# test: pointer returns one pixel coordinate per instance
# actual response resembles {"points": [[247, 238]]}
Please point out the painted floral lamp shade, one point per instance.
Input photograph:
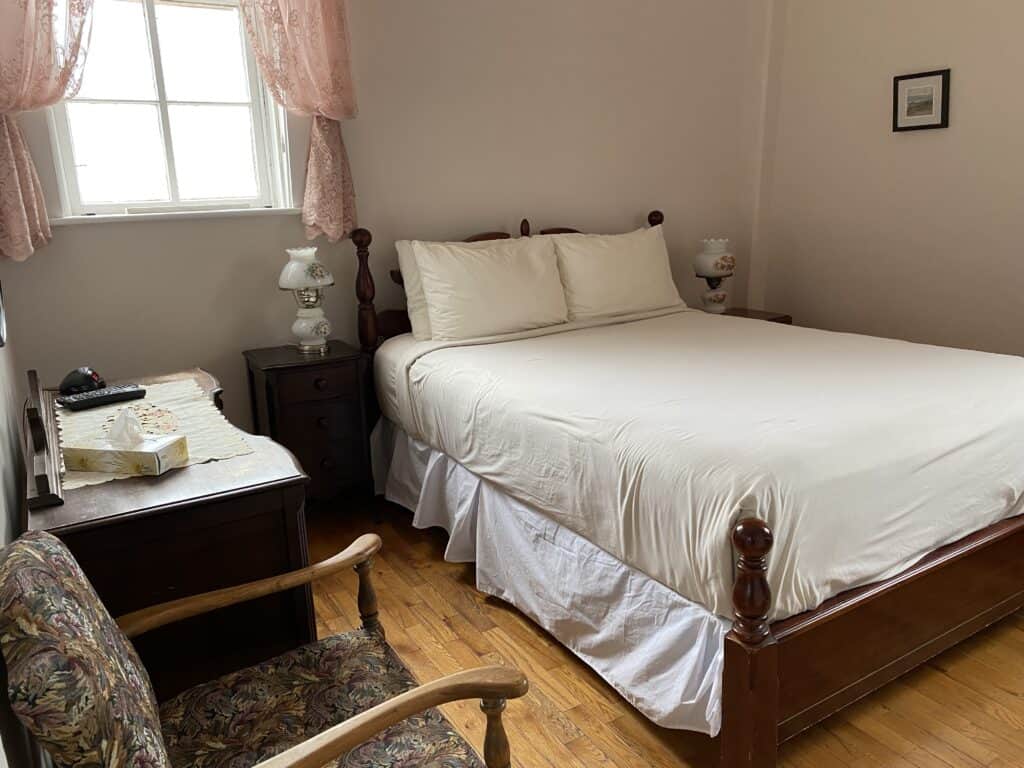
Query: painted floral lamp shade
{"points": [[304, 271]]}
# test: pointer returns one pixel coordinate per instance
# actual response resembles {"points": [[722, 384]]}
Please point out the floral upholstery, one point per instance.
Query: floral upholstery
{"points": [[73, 678], [78, 685], [250, 715]]}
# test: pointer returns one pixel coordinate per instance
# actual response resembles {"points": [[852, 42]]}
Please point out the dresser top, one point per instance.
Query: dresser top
{"points": [[290, 357], [269, 466]]}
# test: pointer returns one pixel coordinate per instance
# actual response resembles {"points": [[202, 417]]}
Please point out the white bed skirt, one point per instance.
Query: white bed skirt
{"points": [[662, 652]]}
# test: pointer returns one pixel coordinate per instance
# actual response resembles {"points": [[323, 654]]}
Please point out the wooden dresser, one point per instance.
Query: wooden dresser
{"points": [[318, 407], [146, 540]]}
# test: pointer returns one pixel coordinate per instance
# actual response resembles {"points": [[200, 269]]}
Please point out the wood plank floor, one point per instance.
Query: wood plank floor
{"points": [[964, 709]]}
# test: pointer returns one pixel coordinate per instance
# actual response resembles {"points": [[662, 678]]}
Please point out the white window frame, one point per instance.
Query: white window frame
{"points": [[269, 137]]}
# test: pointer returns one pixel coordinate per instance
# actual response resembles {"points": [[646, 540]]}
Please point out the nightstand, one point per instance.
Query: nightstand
{"points": [[760, 314], [316, 406]]}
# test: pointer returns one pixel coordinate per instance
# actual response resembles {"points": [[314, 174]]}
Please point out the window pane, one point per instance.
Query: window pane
{"points": [[201, 52], [213, 151], [117, 64], [119, 153]]}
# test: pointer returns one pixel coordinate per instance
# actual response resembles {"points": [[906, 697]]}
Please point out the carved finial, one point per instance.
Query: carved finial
{"points": [[362, 238], [365, 290], [751, 595], [524, 228], [654, 218]]}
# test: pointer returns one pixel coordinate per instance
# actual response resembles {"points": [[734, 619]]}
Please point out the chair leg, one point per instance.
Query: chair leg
{"points": [[367, 598], [496, 750]]}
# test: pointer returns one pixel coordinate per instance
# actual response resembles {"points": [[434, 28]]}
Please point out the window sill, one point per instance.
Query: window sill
{"points": [[67, 221]]}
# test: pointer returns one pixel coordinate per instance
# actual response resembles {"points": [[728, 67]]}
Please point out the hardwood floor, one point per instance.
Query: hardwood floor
{"points": [[963, 709]]}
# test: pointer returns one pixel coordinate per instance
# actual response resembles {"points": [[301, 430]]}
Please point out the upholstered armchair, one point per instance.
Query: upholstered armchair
{"points": [[76, 682]]}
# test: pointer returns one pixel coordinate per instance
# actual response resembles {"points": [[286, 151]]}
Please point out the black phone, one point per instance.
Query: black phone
{"points": [[84, 379]]}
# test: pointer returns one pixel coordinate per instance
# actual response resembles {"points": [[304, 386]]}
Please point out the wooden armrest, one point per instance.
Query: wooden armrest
{"points": [[491, 684], [138, 622]]}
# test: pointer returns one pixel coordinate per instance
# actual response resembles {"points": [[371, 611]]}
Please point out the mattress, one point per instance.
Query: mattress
{"points": [[650, 437], [387, 362]]}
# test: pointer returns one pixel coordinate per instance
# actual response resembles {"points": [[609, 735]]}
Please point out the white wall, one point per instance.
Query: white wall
{"points": [[584, 113], [915, 235]]}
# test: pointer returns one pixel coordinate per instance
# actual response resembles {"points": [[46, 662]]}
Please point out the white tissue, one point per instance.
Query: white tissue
{"points": [[126, 430]]}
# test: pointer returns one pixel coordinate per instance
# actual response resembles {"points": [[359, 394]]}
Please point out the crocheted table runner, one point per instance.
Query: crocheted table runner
{"points": [[175, 407]]}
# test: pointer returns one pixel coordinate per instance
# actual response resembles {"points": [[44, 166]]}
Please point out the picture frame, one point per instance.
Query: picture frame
{"points": [[920, 101]]}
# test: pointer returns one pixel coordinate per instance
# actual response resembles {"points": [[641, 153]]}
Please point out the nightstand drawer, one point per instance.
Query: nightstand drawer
{"points": [[326, 437], [319, 383], [328, 473], [320, 424]]}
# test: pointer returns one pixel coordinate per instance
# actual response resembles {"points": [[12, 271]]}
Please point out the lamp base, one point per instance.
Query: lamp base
{"points": [[312, 328], [716, 298], [312, 349]]}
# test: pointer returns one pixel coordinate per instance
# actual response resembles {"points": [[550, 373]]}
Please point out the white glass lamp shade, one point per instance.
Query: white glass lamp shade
{"points": [[304, 271], [715, 260]]}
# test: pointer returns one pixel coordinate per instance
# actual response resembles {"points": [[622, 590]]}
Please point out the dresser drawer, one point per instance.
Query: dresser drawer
{"points": [[319, 383]]}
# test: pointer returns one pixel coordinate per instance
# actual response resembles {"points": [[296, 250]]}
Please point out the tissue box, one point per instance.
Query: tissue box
{"points": [[153, 455]]}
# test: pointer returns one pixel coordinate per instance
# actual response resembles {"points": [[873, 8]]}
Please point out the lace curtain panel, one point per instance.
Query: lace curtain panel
{"points": [[302, 50], [42, 50]]}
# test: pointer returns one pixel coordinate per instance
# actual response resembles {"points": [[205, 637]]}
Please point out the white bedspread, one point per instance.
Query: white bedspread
{"points": [[651, 438]]}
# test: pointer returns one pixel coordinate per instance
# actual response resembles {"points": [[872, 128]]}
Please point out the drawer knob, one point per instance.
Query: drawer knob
{"points": [[320, 383], [322, 422], [327, 463]]}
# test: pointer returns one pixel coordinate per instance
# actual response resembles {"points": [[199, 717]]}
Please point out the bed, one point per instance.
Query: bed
{"points": [[803, 553]]}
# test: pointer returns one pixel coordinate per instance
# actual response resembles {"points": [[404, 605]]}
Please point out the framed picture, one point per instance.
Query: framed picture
{"points": [[920, 101]]}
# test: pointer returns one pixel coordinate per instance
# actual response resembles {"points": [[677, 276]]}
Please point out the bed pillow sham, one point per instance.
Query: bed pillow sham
{"points": [[415, 301], [607, 275], [484, 289]]}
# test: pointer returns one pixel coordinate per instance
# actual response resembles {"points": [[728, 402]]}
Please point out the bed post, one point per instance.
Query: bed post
{"points": [[365, 291], [654, 218], [750, 690]]}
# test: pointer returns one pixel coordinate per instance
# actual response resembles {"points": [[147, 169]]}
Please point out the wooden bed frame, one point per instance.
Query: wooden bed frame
{"points": [[782, 677]]}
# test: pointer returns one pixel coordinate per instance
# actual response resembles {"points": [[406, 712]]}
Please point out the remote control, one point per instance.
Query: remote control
{"points": [[98, 397]]}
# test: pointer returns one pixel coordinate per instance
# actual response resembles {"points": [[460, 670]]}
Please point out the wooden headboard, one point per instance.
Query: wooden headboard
{"points": [[374, 326]]}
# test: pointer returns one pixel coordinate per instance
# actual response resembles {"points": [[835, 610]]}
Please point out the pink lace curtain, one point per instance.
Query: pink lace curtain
{"points": [[302, 48], [42, 50]]}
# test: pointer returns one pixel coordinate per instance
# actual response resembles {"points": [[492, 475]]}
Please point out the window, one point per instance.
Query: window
{"points": [[171, 114]]}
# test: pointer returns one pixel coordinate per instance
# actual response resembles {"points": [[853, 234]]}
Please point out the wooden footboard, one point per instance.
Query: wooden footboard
{"points": [[784, 677]]}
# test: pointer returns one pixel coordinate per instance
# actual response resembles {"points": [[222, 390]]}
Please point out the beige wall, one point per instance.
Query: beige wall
{"points": [[473, 114], [915, 235], [148, 297]]}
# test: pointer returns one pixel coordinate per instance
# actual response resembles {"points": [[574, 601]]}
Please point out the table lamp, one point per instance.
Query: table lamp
{"points": [[306, 277], [715, 264]]}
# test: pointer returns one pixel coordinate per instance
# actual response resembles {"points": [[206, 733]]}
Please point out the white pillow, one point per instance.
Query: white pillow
{"points": [[415, 301], [607, 275], [483, 289]]}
